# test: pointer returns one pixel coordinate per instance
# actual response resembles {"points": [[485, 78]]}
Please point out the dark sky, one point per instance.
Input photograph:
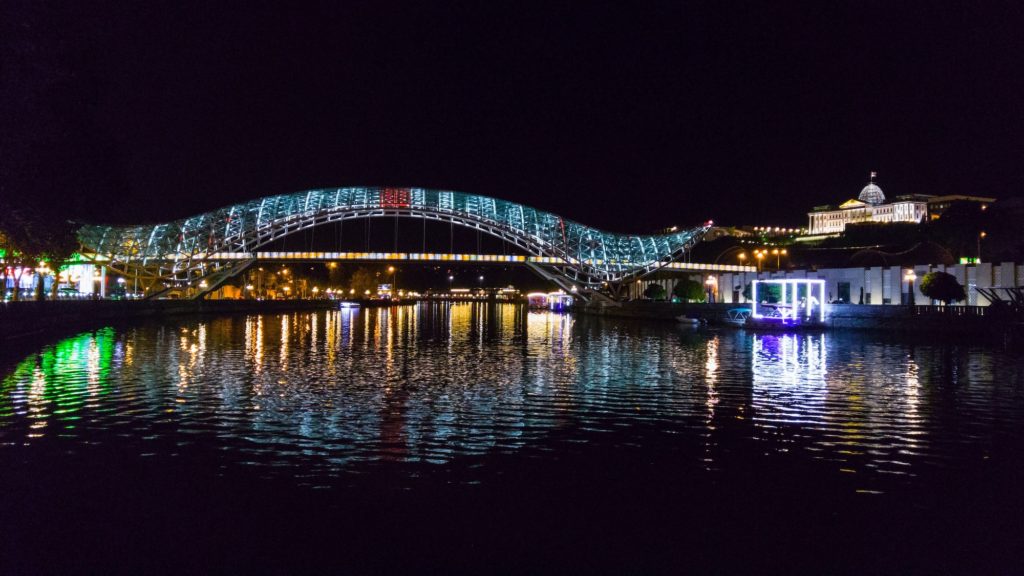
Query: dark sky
{"points": [[625, 115]]}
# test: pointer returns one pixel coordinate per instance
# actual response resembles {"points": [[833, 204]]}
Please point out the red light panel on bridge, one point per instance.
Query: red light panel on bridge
{"points": [[394, 198]]}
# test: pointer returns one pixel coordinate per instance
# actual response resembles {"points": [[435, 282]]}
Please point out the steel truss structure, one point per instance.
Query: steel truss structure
{"points": [[181, 251]]}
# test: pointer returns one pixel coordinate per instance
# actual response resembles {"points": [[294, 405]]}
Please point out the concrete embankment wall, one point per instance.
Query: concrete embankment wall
{"points": [[840, 316], [26, 319], [877, 286]]}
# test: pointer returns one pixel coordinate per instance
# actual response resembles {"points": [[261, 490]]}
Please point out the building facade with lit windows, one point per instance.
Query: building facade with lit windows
{"points": [[869, 206], [937, 205], [872, 206]]}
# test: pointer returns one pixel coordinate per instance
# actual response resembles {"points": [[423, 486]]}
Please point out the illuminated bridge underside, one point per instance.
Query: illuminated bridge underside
{"points": [[183, 250], [279, 256]]}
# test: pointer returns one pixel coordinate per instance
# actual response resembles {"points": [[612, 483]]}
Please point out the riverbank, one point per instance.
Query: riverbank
{"points": [[31, 320], [954, 320]]}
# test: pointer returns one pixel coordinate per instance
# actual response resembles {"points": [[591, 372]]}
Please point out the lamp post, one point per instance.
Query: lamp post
{"points": [[759, 254], [981, 235], [394, 282], [910, 276], [726, 252], [742, 257], [778, 255], [710, 283]]}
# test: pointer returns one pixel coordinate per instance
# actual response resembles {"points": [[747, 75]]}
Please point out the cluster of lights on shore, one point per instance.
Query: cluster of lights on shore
{"points": [[762, 253], [778, 230], [336, 293]]}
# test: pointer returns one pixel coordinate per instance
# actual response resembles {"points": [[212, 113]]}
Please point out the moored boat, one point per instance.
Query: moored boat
{"points": [[687, 321], [737, 316]]}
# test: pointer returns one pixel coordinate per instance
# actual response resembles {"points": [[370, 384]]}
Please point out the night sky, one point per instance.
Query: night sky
{"points": [[627, 116]]}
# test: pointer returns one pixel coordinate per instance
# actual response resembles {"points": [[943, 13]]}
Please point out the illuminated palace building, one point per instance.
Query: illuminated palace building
{"points": [[871, 206]]}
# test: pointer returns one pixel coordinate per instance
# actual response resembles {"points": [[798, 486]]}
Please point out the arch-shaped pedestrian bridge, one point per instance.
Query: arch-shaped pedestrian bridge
{"points": [[180, 251]]}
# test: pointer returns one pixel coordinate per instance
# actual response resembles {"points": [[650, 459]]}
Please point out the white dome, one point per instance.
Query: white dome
{"points": [[871, 194]]}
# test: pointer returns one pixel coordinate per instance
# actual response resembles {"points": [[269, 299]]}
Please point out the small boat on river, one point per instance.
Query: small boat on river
{"points": [[737, 316], [687, 321]]}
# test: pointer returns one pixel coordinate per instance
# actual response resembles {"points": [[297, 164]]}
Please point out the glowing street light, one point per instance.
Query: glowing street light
{"points": [[778, 254], [760, 254], [910, 276]]}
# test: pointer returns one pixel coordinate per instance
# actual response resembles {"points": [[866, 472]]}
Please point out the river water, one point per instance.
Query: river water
{"points": [[486, 438]]}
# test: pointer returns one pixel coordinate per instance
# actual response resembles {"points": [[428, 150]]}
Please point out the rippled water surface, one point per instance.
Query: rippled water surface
{"points": [[665, 426]]}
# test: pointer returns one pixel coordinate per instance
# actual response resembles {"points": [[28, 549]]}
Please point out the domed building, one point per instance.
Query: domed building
{"points": [[872, 194], [870, 206]]}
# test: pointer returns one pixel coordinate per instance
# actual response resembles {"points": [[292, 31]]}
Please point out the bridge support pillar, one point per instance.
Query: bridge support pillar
{"points": [[218, 278], [559, 280]]}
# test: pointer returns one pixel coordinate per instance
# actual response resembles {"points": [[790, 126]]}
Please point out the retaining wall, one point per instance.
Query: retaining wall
{"points": [[20, 319]]}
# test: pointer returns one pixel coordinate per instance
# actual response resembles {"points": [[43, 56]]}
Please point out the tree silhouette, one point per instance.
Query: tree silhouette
{"points": [[655, 292], [942, 286], [688, 290]]}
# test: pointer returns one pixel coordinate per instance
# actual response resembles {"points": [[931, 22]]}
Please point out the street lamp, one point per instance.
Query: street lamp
{"points": [[980, 236], [910, 276], [760, 254], [725, 253], [778, 255], [394, 281]]}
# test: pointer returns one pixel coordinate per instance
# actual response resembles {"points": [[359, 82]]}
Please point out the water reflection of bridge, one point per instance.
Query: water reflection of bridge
{"points": [[433, 382]]}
